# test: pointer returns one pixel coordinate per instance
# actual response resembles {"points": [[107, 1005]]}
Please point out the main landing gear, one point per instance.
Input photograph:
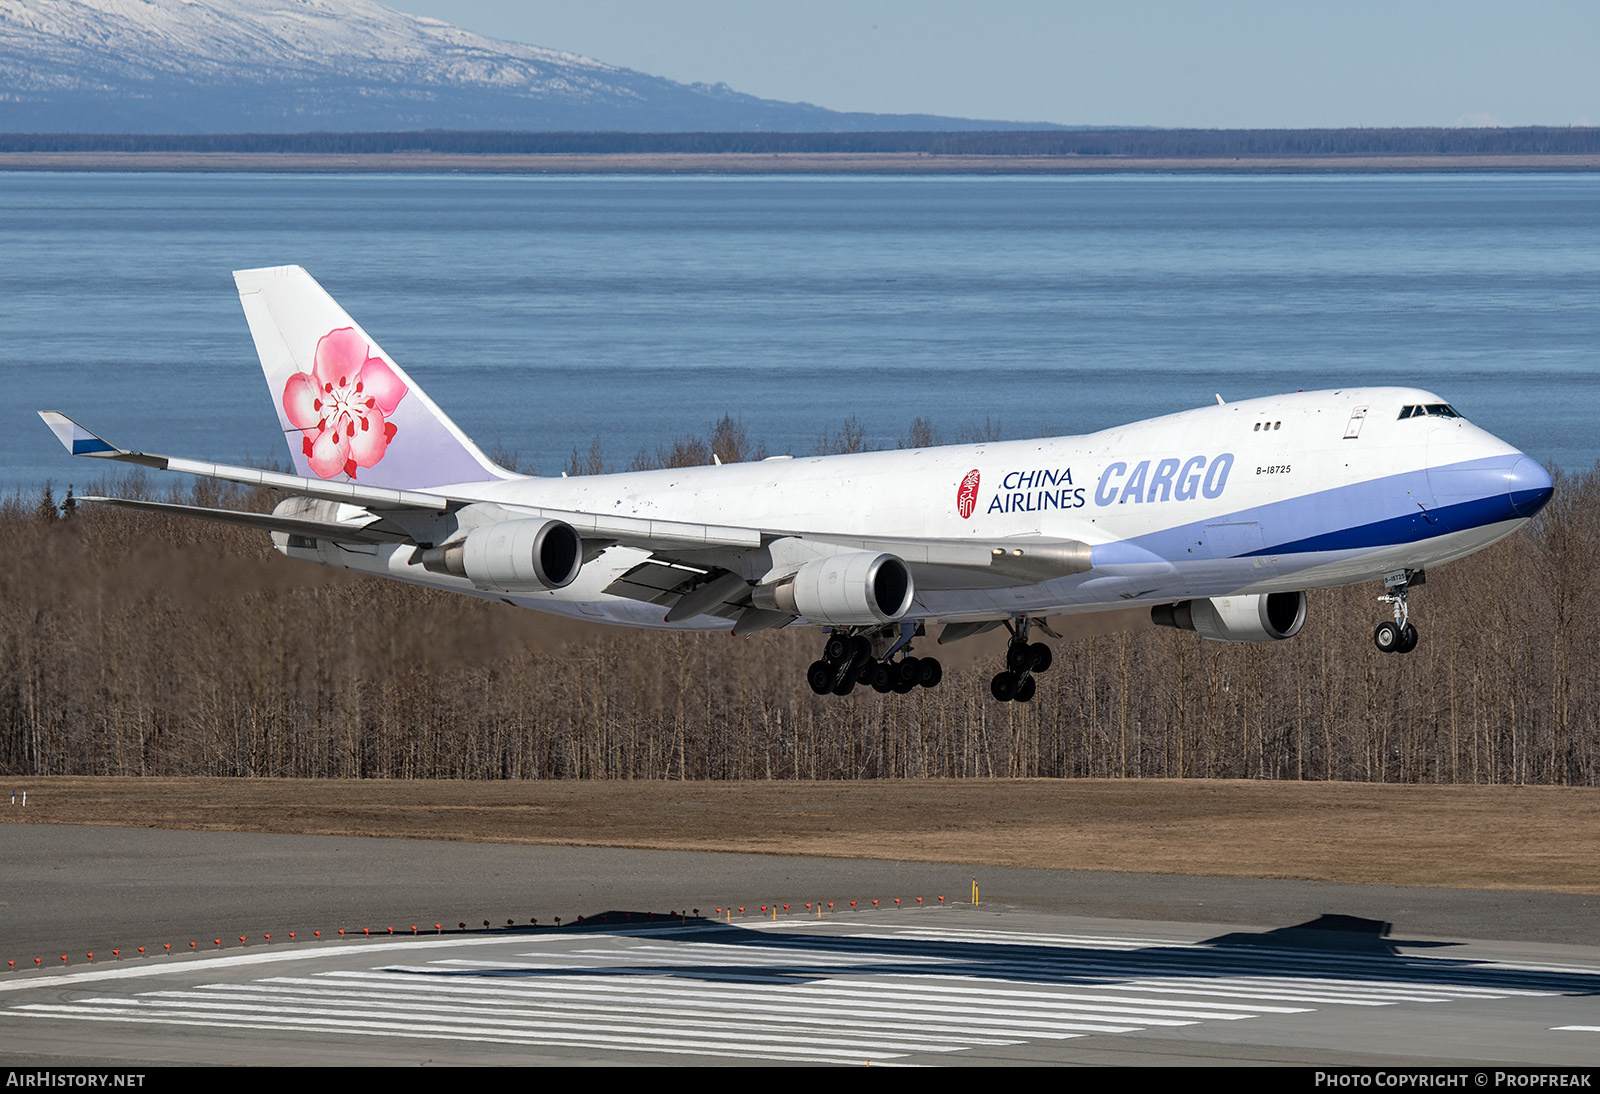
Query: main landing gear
{"points": [[1399, 636], [1023, 660], [869, 659]]}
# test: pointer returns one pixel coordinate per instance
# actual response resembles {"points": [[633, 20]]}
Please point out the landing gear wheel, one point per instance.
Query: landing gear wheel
{"points": [[1388, 637], [1019, 657], [904, 687], [1026, 689], [1408, 639], [929, 672], [1004, 686], [820, 677], [838, 648], [1042, 657], [908, 672], [880, 676]]}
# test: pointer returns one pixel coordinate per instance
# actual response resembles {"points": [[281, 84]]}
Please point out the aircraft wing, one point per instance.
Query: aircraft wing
{"points": [[80, 442], [692, 569], [374, 531], [632, 531]]}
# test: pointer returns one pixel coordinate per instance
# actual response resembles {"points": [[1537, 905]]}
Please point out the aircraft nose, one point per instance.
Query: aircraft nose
{"points": [[1528, 487]]}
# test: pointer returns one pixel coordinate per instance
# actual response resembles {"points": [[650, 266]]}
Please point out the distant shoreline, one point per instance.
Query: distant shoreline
{"points": [[782, 163]]}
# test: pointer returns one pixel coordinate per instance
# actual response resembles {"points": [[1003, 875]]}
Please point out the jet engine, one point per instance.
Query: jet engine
{"points": [[1267, 617], [512, 554], [856, 588]]}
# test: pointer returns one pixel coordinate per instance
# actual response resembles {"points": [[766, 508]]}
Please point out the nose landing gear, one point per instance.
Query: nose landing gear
{"points": [[1399, 636], [1023, 660]]}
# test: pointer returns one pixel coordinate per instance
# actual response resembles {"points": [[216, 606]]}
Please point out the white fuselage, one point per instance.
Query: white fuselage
{"points": [[1275, 494]]}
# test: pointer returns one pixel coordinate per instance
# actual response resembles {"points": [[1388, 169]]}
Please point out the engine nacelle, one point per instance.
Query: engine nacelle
{"points": [[512, 554], [856, 588], [1267, 617]]}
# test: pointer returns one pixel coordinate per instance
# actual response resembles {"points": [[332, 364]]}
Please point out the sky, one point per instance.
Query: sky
{"points": [[1285, 63]]}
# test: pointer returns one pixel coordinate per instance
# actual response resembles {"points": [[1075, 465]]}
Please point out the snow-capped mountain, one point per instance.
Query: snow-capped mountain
{"points": [[216, 66]]}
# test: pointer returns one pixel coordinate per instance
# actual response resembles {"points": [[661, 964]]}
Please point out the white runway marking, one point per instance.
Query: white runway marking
{"points": [[830, 993]]}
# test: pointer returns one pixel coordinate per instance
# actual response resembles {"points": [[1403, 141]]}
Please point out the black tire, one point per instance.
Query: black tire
{"points": [[1004, 686], [1408, 639], [1387, 637], [1026, 689], [820, 677], [838, 648], [929, 672], [1019, 657], [881, 683], [863, 646], [845, 686], [908, 671], [1042, 657], [879, 675], [904, 687]]}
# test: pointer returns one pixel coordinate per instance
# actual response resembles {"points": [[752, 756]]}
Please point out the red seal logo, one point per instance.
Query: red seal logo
{"points": [[967, 494]]}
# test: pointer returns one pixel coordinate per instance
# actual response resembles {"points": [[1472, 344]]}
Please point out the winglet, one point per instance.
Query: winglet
{"points": [[76, 439]]}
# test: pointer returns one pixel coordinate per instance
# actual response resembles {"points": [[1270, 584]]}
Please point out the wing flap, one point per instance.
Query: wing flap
{"points": [[375, 531]]}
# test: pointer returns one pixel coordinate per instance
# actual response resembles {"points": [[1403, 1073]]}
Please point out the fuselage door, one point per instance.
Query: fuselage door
{"points": [[1357, 417]]}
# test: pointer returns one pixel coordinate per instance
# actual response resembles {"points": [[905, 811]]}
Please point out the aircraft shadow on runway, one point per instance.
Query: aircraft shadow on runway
{"points": [[1348, 948]]}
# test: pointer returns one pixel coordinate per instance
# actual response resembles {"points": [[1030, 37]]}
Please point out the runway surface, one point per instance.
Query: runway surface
{"points": [[1052, 968], [949, 986]]}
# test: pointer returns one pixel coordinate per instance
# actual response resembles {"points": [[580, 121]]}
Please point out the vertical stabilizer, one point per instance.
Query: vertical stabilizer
{"points": [[348, 411]]}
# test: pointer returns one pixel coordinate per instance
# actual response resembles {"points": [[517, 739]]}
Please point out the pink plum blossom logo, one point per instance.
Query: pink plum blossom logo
{"points": [[343, 405]]}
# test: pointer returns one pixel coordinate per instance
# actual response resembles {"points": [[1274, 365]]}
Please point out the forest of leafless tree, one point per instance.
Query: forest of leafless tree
{"points": [[134, 644]]}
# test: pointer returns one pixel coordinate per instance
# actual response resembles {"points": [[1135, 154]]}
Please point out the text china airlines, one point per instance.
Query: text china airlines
{"points": [[1039, 489]]}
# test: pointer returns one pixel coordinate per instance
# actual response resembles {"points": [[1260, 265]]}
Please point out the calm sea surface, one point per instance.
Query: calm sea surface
{"points": [[542, 312]]}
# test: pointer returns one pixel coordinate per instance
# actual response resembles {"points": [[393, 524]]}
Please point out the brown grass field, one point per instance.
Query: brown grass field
{"points": [[1483, 837]]}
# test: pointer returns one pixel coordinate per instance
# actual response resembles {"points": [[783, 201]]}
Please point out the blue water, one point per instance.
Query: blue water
{"points": [[542, 312]]}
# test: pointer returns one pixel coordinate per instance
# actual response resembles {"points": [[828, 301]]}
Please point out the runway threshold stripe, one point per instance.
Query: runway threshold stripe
{"points": [[613, 1025], [996, 1001], [614, 1033], [741, 1051], [1046, 996], [783, 1018], [1358, 989], [1390, 984], [1282, 989], [1089, 1020], [731, 1010], [1317, 989], [740, 956], [1021, 969]]}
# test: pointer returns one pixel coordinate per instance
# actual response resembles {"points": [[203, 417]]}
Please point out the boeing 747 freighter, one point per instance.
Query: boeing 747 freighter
{"points": [[1217, 519]]}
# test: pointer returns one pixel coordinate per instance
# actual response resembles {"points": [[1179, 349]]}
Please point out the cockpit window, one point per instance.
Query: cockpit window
{"points": [[1437, 410]]}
